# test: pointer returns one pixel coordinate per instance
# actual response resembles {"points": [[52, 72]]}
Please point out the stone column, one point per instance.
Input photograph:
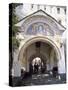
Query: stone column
{"points": [[27, 62], [16, 69], [52, 59], [61, 62]]}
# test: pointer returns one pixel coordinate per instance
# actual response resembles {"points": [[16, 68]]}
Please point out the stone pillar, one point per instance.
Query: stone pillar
{"points": [[27, 62], [27, 67], [16, 69], [61, 62], [52, 59], [24, 61]]}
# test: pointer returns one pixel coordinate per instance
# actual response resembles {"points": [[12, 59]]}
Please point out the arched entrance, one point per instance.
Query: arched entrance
{"points": [[37, 64], [41, 47]]}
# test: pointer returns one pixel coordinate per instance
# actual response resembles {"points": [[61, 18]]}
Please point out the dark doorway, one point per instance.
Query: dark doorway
{"points": [[37, 66]]}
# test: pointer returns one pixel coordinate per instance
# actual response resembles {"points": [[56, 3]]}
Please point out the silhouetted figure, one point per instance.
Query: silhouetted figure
{"points": [[36, 68], [31, 69], [55, 71]]}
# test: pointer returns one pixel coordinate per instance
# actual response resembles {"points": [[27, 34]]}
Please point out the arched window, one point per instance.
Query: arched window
{"points": [[58, 10], [32, 6], [65, 10]]}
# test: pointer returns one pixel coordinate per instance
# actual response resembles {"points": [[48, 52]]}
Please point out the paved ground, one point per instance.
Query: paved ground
{"points": [[39, 79]]}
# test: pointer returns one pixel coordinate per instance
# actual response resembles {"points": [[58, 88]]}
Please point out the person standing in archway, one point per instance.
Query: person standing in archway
{"points": [[36, 67]]}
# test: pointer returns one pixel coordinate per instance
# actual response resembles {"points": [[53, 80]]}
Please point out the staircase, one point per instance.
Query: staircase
{"points": [[41, 79]]}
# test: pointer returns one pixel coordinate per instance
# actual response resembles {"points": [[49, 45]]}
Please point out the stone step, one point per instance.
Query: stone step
{"points": [[39, 79]]}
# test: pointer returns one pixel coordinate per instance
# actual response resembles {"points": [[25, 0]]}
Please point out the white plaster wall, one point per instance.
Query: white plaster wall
{"points": [[42, 7], [26, 8], [51, 10], [48, 9], [34, 8]]}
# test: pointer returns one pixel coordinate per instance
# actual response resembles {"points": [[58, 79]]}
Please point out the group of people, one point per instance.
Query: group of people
{"points": [[37, 68]]}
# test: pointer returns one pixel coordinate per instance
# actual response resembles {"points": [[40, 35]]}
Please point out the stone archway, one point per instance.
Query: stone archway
{"points": [[41, 61], [40, 56], [22, 56]]}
